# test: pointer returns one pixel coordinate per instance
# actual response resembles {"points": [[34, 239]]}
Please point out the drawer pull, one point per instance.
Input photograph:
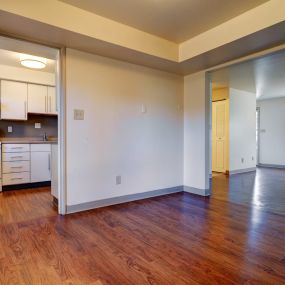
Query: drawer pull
{"points": [[16, 166], [16, 147], [19, 156], [17, 178]]}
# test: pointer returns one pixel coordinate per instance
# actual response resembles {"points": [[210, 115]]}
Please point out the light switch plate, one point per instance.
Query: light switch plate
{"points": [[143, 108], [38, 125], [10, 129], [78, 114]]}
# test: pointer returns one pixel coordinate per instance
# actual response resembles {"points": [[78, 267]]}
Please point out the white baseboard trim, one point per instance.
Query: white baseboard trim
{"points": [[239, 171], [197, 191], [271, 165], [121, 199]]}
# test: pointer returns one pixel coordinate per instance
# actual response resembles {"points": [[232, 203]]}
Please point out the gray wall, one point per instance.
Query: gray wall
{"points": [[27, 128]]}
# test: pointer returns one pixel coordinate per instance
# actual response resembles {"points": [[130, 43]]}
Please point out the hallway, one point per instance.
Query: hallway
{"points": [[263, 189]]}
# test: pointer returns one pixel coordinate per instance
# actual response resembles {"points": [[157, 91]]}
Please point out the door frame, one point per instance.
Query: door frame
{"points": [[61, 161], [61, 104], [257, 135], [208, 100]]}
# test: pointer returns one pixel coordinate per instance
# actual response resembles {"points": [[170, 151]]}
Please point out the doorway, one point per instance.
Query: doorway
{"points": [[30, 130], [256, 135], [219, 136]]}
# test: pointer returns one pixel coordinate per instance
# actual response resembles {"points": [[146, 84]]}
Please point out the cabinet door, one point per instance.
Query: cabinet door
{"points": [[40, 166], [54, 170], [14, 97], [52, 105], [37, 98]]}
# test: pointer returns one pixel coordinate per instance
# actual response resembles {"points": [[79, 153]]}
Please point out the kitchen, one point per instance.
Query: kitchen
{"points": [[28, 118]]}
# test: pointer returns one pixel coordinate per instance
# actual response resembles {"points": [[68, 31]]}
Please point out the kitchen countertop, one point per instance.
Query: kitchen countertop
{"points": [[27, 140]]}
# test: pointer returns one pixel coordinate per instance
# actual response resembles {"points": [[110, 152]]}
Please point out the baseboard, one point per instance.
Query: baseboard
{"points": [[26, 186], [271, 165], [121, 199], [197, 191], [239, 171]]}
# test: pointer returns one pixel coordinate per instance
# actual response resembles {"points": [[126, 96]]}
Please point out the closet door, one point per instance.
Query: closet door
{"points": [[219, 123]]}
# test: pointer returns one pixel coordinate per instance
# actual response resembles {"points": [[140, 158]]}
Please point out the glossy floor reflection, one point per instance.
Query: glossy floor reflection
{"points": [[264, 189]]}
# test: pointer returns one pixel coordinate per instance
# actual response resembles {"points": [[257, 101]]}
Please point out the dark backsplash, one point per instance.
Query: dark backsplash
{"points": [[27, 128]]}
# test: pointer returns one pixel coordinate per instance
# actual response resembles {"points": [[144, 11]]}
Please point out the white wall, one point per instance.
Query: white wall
{"points": [[242, 129], [196, 133], [27, 75], [272, 135], [116, 138]]}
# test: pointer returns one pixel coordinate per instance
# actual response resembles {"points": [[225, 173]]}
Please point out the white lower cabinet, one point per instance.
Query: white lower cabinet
{"points": [[54, 170], [15, 164], [40, 162], [16, 156], [26, 163], [16, 178]]}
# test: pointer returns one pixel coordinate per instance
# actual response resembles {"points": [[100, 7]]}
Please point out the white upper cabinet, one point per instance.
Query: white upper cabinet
{"points": [[42, 99], [14, 96], [37, 98], [52, 105]]}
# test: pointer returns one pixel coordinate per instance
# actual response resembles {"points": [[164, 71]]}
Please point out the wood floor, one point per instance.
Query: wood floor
{"points": [[23, 205], [263, 189], [174, 239]]}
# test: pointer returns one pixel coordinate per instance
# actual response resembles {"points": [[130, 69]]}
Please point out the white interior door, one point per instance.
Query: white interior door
{"points": [[219, 136]]}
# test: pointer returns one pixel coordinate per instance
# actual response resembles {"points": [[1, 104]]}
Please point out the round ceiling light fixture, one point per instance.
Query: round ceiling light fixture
{"points": [[32, 61]]}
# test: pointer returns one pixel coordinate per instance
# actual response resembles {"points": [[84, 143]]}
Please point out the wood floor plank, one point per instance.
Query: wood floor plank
{"points": [[175, 239]]}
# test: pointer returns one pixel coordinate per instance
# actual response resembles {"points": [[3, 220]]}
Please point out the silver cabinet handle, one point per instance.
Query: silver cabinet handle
{"points": [[46, 103], [17, 178], [25, 105], [49, 161], [50, 104], [15, 167], [17, 147], [20, 156]]}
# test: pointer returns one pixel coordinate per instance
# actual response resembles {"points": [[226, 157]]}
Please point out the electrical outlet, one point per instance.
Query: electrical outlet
{"points": [[38, 125], [10, 129], [118, 180], [78, 114]]}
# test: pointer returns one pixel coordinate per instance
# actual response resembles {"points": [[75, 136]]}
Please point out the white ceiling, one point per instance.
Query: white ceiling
{"points": [[175, 20], [264, 76], [12, 58]]}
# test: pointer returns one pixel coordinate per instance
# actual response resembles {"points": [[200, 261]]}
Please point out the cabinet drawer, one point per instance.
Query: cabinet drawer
{"points": [[16, 178], [16, 166], [40, 147], [10, 156], [15, 147]]}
